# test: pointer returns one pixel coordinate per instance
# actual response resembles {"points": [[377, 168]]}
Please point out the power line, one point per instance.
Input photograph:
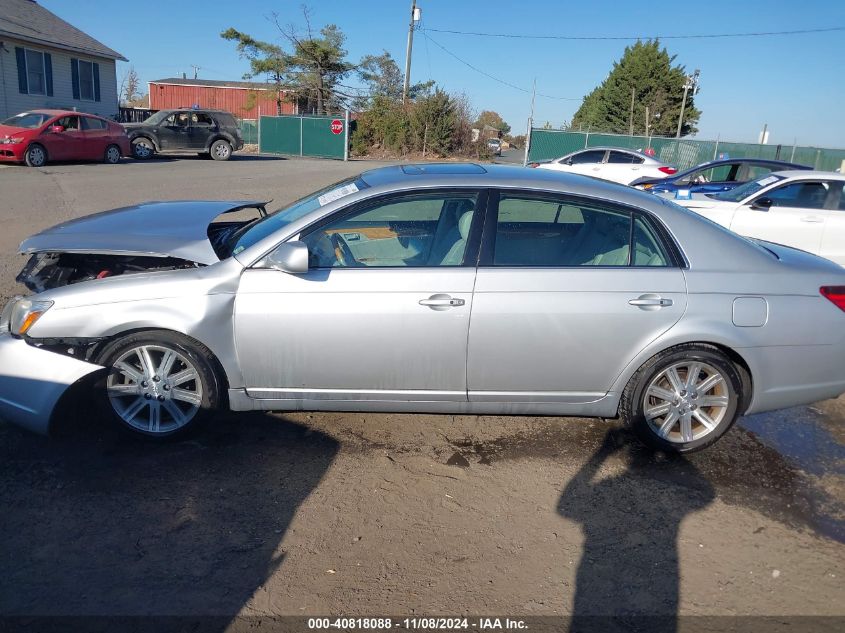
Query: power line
{"points": [[488, 75], [638, 37]]}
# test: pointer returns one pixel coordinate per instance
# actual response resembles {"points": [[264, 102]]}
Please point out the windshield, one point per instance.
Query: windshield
{"points": [[29, 120], [748, 189], [156, 118], [256, 231]]}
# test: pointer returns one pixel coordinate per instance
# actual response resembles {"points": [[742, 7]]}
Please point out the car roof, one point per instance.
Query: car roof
{"points": [[746, 159], [189, 109], [809, 174], [52, 113], [425, 175]]}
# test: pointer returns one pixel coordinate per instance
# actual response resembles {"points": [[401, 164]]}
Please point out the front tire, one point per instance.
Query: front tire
{"points": [[35, 156], [683, 399], [221, 150], [112, 155], [143, 148], [160, 384]]}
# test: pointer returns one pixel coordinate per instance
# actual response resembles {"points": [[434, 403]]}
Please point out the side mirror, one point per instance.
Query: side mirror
{"points": [[762, 204], [57, 129], [290, 257], [568, 161]]}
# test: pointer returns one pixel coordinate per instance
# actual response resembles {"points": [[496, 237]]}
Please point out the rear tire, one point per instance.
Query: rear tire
{"points": [[683, 399], [112, 155], [143, 148], [35, 156], [160, 384], [221, 150]]}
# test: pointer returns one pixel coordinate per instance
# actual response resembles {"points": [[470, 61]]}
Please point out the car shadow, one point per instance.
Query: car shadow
{"points": [[99, 524], [628, 577]]}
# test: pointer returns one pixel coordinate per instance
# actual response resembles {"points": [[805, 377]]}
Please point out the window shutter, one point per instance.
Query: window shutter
{"points": [[96, 82], [74, 76], [22, 83], [48, 73]]}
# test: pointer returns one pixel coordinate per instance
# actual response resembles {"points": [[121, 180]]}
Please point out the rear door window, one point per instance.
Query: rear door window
{"points": [[534, 230], [90, 123], [592, 156], [624, 158]]}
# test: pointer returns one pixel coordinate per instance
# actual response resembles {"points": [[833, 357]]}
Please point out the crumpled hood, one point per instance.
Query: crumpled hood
{"points": [[158, 229]]}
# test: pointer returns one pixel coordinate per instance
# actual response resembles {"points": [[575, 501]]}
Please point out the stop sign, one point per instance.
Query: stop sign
{"points": [[337, 126]]}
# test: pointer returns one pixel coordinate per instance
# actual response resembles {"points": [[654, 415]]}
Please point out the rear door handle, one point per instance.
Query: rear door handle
{"points": [[441, 302], [650, 302], [813, 219]]}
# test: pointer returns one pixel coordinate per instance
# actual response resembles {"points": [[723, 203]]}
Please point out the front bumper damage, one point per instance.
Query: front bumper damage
{"points": [[32, 381]]}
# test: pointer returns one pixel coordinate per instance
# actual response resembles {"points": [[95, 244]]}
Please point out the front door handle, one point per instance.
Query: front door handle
{"points": [[650, 302], [441, 302], [813, 219]]}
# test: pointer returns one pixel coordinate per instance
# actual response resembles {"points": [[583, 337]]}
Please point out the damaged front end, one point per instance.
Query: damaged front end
{"points": [[149, 237], [48, 270]]}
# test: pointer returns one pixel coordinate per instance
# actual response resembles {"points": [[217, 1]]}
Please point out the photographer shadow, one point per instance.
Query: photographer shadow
{"points": [[99, 525], [628, 578]]}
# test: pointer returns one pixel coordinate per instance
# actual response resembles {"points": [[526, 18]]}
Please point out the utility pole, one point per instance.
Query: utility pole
{"points": [[415, 17], [196, 70], [631, 115], [530, 125], [691, 83], [646, 121]]}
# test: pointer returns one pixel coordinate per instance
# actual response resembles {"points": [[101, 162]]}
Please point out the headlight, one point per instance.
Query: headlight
{"points": [[15, 140], [25, 313]]}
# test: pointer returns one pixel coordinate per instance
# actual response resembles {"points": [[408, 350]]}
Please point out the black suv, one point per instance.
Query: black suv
{"points": [[212, 133]]}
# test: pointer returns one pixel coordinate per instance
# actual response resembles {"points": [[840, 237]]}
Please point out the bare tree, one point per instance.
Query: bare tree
{"points": [[129, 86]]}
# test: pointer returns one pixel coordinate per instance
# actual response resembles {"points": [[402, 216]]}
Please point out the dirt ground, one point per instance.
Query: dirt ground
{"points": [[411, 515]]}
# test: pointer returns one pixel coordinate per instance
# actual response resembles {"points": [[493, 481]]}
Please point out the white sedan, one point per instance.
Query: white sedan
{"points": [[802, 209], [610, 163]]}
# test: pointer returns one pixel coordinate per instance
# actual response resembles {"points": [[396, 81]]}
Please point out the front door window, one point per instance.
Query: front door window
{"points": [[420, 230]]}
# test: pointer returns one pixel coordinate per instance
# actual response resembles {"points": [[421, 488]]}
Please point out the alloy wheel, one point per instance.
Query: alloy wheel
{"points": [[686, 401], [37, 157], [142, 149], [112, 155], [154, 389], [221, 150]]}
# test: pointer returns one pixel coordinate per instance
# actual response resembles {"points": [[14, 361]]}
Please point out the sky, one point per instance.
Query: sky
{"points": [[794, 84]]}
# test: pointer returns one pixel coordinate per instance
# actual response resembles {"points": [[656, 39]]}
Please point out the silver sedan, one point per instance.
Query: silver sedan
{"points": [[430, 288]]}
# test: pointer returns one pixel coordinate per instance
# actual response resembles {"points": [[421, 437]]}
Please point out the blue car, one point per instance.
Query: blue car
{"points": [[715, 176]]}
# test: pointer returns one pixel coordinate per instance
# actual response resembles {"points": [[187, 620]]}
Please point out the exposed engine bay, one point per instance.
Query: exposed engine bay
{"points": [[150, 237], [44, 271]]}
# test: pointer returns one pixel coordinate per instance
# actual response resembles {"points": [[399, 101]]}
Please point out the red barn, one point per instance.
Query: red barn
{"points": [[242, 98]]}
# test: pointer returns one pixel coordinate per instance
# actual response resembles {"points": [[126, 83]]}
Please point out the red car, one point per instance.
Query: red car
{"points": [[41, 135]]}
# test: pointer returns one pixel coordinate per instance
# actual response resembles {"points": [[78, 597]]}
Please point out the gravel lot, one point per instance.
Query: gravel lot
{"points": [[397, 514]]}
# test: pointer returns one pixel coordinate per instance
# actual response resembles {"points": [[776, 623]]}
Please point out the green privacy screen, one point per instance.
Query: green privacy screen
{"points": [[684, 153], [303, 136]]}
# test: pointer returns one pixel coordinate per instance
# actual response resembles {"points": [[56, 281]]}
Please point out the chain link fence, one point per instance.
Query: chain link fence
{"points": [[249, 130], [683, 153]]}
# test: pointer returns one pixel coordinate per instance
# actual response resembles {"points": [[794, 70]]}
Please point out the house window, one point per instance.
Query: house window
{"points": [[35, 73], [86, 80]]}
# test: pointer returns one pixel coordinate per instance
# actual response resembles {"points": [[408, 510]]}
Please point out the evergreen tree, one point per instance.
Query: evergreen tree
{"points": [[646, 69]]}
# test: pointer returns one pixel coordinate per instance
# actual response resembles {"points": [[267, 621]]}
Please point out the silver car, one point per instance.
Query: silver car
{"points": [[433, 288]]}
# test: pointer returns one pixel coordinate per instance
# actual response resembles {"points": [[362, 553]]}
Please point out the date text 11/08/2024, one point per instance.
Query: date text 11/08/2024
{"points": [[448, 624]]}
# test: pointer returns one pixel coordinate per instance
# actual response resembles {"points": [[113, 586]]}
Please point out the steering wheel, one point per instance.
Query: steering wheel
{"points": [[343, 252]]}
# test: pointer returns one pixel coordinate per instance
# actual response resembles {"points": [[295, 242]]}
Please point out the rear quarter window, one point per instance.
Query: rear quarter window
{"points": [[226, 120]]}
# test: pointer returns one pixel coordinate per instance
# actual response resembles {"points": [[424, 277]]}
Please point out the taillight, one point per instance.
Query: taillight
{"points": [[533, 164], [836, 294], [667, 170]]}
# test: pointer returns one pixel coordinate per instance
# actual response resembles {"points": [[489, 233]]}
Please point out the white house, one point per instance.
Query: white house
{"points": [[47, 63]]}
